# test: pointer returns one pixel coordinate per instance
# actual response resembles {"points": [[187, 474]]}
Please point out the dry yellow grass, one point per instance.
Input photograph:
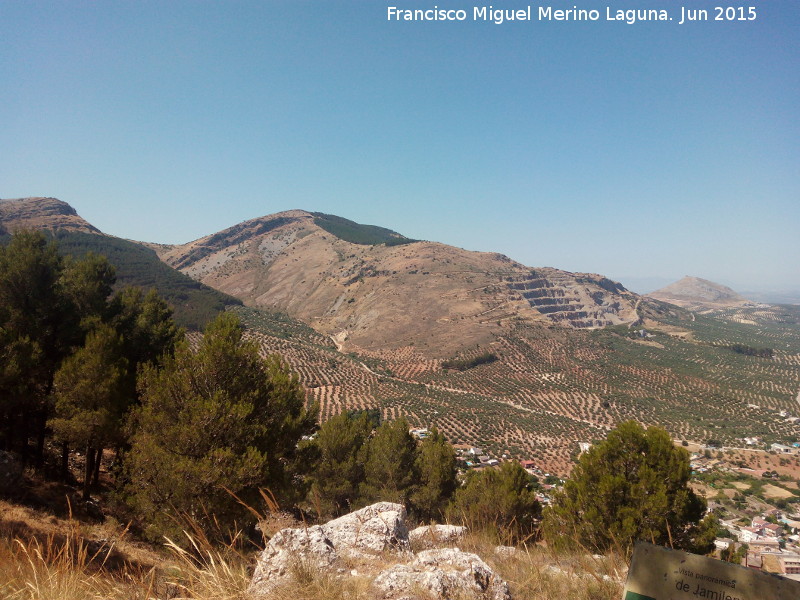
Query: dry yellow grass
{"points": [[773, 491], [44, 557], [53, 570], [67, 570]]}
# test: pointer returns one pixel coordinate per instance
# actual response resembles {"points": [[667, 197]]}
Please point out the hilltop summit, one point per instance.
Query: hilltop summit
{"points": [[41, 213], [695, 293]]}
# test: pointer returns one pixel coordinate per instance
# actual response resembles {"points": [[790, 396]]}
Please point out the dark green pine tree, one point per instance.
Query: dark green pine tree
{"points": [[214, 421], [89, 400], [389, 464], [144, 321], [436, 471], [336, 453], [38, 326], [634, 485], [88, 283], [498, 500]]}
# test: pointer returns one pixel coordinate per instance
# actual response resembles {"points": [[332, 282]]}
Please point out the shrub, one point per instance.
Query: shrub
{"points": [[498, 499], [633, 485], [216, 421]]}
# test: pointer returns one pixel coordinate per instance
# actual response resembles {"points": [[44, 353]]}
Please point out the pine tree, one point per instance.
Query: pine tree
{"points": [[389, 464], [88, 284], [145, 322], [336, 453], [501, 500], [436, 471], [88, 398], [631, 486], [215, 421], [148, 332], [36, 332]]}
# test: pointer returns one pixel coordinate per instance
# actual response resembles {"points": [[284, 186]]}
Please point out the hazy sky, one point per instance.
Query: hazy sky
{"points": [[645, 150]]}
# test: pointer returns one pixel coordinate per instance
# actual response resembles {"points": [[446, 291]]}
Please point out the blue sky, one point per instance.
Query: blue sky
{"points": [[648, 150]]}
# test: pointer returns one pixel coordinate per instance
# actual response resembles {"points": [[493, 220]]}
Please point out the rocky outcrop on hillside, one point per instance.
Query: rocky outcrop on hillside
{"points": [[374, 543], [580, 300], [41, 213], [432, 536], [444, 573]]}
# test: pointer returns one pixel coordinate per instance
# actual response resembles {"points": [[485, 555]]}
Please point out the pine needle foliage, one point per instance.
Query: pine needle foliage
{"points": [[214, 425], [632, 485], [389, 472], [338, 466], [501, 500], [435, 468]]}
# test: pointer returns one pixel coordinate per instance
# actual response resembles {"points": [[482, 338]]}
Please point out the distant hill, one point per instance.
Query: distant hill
{"points": [[695, 293], [370, 287], [194, 303]]}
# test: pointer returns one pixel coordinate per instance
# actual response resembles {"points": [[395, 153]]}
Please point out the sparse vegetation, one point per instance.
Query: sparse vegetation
{"points": [[70, 569]]}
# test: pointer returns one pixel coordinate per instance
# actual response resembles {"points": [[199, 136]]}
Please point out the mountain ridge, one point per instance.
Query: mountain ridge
{"points": [[194, 304], [392, 294], [41, 212]]}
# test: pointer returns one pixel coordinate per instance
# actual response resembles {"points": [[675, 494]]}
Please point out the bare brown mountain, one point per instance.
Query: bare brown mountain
{"points": [[394, 294], [695, 293], [41, 213]]}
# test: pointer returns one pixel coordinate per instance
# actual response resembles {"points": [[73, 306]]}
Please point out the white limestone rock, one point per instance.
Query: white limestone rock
{"points": [[433, 536], [444, 572], [369, 531], [377, 531], [362, 534], [287, 550]]}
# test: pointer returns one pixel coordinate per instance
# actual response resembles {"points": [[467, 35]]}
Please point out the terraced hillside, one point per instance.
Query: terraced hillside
{"points": [[559, 296], [552, 387]]}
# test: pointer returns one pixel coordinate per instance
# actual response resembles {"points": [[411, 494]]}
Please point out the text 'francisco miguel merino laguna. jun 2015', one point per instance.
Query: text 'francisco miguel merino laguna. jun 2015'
{"points": [[489, 14]]}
